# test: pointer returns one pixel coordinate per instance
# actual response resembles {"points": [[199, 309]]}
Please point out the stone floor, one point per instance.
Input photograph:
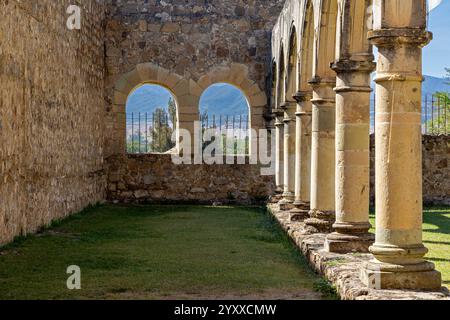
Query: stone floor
{"points": [[343, 270]]}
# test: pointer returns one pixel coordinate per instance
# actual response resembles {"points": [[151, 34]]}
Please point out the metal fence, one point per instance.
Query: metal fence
{"points": [[435, 114], [149, 133], [231, 130], [153, 132]]}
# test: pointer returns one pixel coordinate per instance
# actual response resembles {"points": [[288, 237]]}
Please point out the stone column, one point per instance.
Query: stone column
{"points": [[279, 150], [400, 35], [352, 157], [289, 108], [302, 156], [322, 214]]}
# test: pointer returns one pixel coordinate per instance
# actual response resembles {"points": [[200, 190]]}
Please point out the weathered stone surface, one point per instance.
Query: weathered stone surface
{"points": [[343, 270], [155, 179], [51, 113]]}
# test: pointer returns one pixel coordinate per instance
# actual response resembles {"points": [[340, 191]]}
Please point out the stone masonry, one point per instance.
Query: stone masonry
{"points": [[51, 113]]}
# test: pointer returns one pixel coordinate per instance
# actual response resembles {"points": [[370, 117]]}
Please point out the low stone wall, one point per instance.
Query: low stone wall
{"points": [[154, 178], [436, 170], [343, 270]]}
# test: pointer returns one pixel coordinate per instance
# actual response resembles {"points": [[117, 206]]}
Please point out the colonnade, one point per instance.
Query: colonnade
{"points": [[323, 113]]}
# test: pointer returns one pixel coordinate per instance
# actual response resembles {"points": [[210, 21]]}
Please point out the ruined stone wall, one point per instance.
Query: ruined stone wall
{"points": [[155, 179], [192, 39], [189, 38], [436, 170], [51, 113]]}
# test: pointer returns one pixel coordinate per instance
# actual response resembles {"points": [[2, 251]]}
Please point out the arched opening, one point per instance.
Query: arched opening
{"points": [[307, 50], [151, 120], [225, 115], [326, 42], [281, 80], [292, 80], [273, 99]]}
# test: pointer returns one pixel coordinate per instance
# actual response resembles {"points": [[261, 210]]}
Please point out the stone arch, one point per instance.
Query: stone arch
{"points": [[185, 91], [325, 41], [307, 48], [238, 75], [281, 93], [273, 86], [352, 28], [292, 65]]}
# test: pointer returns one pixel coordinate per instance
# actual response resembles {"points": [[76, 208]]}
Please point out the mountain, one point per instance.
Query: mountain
{"points": [[219, 99], [147, 98], [432, 84], [223, 99]]}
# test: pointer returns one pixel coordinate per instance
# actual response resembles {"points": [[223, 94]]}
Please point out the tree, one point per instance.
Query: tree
{"points": [[172, 112], [161, 133]]}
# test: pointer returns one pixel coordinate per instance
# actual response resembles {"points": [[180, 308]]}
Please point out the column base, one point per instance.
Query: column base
{"points": [[298, 215], [301, 205], [287, 203], [276, 198], [383, 276], [320, 221], [350, 237], [279, 191], [300, 211], [346, 243]]}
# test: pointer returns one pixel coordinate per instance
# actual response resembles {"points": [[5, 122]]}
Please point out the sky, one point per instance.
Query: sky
{"points": [[437, 53]]}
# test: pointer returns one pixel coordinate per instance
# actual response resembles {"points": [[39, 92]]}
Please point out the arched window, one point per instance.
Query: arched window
{"points": [[151, 113], [224, 110]]}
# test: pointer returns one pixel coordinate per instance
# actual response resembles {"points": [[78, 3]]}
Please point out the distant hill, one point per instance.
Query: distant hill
{"points": [[223, 99], [219, 99], [432, 84]]}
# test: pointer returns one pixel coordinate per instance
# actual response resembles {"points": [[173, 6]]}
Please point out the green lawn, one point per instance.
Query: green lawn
{"points": [[437, 239], [152, 252]]}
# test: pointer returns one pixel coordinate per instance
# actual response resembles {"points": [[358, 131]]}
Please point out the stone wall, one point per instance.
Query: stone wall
{"points": [[51, 113], [436, 170], [155, 179], [189, 38]]}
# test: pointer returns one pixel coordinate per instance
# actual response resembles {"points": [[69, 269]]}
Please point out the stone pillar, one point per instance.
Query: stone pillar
{"points": [[352, 157], [322, 214], [302, 156], [400, 35], [289, 108], [279, 150]]}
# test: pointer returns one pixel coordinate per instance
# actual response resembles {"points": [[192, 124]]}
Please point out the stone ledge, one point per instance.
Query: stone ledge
{"points": [[343, 270]]}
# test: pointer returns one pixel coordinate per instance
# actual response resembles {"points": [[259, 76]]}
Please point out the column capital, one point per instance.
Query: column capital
{"points": [[287, 105], [277, 112], [395, 37], [317, 81], [303, 114], [348, 65], [301, 96]]}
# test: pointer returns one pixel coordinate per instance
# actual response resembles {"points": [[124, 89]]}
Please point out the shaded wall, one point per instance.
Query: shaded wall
{"points": [[155, 179], [51, 113]]}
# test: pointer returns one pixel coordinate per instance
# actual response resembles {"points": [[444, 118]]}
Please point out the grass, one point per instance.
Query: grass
{"points": [[152, 252], [436, 237]]}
